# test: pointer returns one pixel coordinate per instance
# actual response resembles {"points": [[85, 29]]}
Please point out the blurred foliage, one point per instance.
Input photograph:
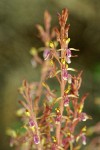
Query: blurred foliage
{"points": [[18, 34]]}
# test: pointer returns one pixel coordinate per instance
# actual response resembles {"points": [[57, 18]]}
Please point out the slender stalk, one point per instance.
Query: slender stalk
{"points": [[62, 88]]}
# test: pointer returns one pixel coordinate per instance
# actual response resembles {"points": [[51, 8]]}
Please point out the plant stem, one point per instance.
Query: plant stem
{"points": [[71, 146], [61, 106], [62, 86]]}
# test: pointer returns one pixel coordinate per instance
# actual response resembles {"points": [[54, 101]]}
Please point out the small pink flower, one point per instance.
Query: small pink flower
{"points": [[83, 117], [36, 139], [69, 53], [31, 123], [66, 101], [83, 139], [58, 118], [65, 74]]}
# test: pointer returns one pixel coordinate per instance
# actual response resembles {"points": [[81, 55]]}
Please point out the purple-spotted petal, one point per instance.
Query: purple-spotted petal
{"points": [[65, 74], [69, 53], [83, 117], [58, 119], [66, 101]]}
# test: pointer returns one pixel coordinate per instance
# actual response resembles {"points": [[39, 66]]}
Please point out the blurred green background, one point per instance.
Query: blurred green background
{"points": [[18, 34]]}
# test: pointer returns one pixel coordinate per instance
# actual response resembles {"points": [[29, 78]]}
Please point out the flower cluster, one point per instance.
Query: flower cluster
{"points": [[50, 119]]}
